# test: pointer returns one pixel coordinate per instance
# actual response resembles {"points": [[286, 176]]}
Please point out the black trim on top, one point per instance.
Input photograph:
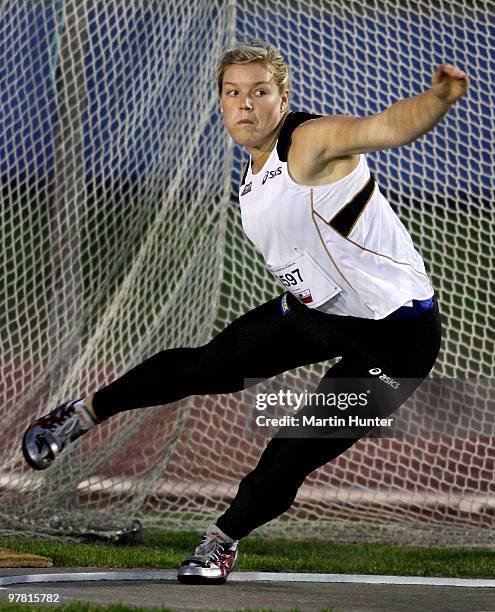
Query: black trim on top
{"points": [[246, 166], [292, 121], [346, 218]]}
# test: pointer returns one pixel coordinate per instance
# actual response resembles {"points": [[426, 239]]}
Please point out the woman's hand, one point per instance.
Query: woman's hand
{"points": [[449, 83]]}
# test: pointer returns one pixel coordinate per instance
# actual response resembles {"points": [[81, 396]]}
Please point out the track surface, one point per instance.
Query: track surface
{"points": [[255, 595]]}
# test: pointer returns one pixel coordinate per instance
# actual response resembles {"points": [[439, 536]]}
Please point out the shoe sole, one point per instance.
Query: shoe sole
{"points": [[187, 575], [192, 579], [27, 456]]}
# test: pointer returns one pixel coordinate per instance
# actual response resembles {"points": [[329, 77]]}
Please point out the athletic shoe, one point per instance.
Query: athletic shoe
{"points": [[212, 561], [45, 439]]}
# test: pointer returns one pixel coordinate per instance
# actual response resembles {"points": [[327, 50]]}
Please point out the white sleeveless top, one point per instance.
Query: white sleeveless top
{"points": [[338, 247]]}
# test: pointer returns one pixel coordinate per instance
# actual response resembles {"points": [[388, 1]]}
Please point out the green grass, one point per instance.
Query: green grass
{"points": [[165, 550]]}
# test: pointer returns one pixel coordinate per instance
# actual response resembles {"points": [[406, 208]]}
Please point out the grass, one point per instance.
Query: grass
{"points": [[165, 550]]}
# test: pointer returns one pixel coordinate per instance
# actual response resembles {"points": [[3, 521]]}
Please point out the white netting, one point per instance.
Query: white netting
{"points": [[121, 237]]}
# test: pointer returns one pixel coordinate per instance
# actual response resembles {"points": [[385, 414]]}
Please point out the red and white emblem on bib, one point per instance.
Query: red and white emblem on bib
{"points": [[305, 296]]}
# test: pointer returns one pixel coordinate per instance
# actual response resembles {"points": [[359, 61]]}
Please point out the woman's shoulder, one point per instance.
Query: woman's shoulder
{"points": [[292, 121]]}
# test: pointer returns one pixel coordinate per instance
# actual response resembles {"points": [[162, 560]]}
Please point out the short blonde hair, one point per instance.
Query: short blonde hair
{"points": [[256, 51]]}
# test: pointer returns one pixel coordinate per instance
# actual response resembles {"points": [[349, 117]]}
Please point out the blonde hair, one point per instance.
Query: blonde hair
{"points": [[256, 51]]}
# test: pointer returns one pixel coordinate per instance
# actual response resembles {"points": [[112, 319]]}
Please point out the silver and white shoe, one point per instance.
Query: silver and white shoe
{"points": [[212, 561], [45, 439]]}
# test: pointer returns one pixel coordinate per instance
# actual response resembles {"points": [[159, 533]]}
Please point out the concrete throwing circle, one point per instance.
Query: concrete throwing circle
{"points": [[249, 590], [70, 576]]}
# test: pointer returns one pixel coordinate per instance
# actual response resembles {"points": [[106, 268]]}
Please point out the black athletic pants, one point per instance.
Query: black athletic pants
{"points": [[265, 342]]}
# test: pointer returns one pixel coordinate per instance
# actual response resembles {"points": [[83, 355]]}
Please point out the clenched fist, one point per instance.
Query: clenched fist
{"points": [[449, 83]]}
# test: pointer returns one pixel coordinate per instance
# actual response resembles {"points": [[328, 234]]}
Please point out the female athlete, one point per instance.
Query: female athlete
{"points": [[356, 289]]}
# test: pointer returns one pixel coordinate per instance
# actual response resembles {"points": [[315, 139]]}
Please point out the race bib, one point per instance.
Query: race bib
{"points": [[306, 280]]}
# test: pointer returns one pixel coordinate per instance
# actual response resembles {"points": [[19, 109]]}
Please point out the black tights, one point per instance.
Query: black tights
{"points": [[270, 340]]}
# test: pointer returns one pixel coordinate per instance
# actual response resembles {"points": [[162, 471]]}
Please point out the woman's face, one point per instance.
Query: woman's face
{"points": [[252, 104]]}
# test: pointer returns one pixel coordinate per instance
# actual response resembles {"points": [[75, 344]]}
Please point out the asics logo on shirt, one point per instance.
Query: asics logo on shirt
{"points": [[388, 380], [269, 174]]}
